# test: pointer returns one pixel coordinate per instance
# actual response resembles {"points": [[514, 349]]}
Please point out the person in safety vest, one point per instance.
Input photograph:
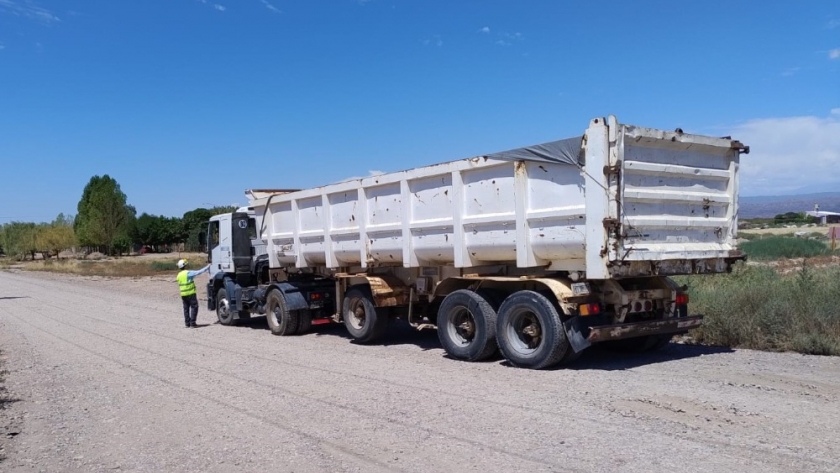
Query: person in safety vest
{"points": [[188, 297]]}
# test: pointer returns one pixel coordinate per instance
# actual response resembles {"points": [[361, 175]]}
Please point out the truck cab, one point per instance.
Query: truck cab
{"points": [[232, 243], [238, 260]]}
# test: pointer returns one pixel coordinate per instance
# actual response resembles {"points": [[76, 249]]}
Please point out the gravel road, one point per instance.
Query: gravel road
{"points": [[104, 377]]}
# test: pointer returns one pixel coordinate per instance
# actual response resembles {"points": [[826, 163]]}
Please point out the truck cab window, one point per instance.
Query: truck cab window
{"points": [[213, 235], [252, 229]]}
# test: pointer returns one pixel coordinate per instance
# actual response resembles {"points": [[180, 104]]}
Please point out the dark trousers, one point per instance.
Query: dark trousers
{"points": [[190, 309]]}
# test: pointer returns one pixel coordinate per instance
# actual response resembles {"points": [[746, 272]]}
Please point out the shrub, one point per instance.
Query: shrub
{"points": [[756, 307], [776, 247], [163, 266]]}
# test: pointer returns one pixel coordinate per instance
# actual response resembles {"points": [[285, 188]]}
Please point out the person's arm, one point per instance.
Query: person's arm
{"points": [[192, 274]]}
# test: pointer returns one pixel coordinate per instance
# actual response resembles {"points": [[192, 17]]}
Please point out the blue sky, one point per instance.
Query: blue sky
{"points": [[189, 102]]}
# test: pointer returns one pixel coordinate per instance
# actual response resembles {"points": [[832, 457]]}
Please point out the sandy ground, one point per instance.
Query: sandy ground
{"points": [[106, 378]]}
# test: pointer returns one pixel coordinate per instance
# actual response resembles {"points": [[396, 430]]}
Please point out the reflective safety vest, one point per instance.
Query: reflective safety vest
{"points": [[186, 284]]}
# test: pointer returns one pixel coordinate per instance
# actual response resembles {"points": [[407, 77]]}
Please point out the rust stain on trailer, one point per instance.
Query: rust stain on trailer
{"points": [[388, 290]]}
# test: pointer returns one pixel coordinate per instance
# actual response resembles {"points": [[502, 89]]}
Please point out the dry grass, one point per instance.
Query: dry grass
{"points": [[760, 307], [131, 266]]}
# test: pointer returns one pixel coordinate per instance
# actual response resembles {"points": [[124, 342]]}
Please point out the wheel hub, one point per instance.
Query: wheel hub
{"points": [[359, 316], [466, 329], [526, 331], [224, 307]]}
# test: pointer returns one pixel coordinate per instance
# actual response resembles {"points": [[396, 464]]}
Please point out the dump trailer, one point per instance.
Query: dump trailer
{"points": [[536, 252]]}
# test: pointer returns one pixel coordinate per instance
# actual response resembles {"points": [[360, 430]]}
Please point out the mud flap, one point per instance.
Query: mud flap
{"points": [[233, 293], [211, 297], [574, 329]]}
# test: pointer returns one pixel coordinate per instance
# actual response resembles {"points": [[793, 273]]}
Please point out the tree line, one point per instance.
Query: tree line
{"points": [[105, 222]]}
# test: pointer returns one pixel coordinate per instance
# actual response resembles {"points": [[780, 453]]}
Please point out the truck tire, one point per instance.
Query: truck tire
{"points": [[529, 331], [361, 318], [467, 326], [304, 321], [223, 311], [494, 297], [280, 319]]}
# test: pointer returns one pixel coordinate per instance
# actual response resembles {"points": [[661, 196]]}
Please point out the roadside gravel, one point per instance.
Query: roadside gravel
{"points": [[107, 379]]}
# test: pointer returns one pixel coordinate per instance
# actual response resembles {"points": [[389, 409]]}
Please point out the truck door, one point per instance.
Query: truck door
{"points": [[219, 242], [242, 233]]}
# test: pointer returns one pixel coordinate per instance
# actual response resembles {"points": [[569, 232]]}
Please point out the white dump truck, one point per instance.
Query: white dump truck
{"points": [[536, 252]]}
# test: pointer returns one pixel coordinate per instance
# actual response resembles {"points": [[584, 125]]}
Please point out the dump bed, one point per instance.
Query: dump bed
{"points": [[619, 201]]}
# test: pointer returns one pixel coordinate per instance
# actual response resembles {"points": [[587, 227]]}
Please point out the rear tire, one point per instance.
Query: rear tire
{"points": [[466, 324], [530, 332], [361, 317], [304, 321], [494, 297], [223, 311], [280, 319]]}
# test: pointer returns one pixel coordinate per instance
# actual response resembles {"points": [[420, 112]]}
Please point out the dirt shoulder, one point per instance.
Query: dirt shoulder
{"points": [[10, 423]]}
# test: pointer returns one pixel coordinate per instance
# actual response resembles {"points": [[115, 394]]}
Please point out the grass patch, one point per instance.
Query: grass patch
{"points": [[756, 307], [776, 247], [120, 267], [163, 265]]}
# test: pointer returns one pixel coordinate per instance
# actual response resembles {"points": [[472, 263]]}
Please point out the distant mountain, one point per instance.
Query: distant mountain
{"points": [[770, 206]]}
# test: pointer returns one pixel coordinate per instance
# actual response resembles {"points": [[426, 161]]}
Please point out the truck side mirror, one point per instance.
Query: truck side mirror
{"points": [[202, 238]]}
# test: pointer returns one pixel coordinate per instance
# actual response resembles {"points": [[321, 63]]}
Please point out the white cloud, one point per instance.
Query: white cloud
{"points": [[270, 6], [485, 30], [834, 53], [791, 71], [29, 9], [219, 7], [507, 39], [834, 23], [436, 40], [790, 155]]}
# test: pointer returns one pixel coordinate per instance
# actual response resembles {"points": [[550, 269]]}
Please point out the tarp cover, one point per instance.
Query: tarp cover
{"points": [[566, 151]]}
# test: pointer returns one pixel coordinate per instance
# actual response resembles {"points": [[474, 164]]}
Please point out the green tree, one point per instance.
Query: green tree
{"points": [[103, 213], [195, 221], [55, 237], [144, 230], [157, 230], [19, 239]]}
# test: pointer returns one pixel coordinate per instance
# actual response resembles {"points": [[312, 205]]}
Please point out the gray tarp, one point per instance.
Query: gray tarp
{"points": [[566, 151]]}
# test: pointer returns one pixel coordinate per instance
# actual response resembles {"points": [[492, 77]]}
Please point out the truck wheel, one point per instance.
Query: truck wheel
{"points": [[223, 308], [530, 332], [304, 321], [494, 297], [361, 318], [467, 326], [281, 320]]}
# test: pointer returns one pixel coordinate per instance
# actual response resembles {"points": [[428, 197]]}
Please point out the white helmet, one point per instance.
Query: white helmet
{"points": [[182, 263]]}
